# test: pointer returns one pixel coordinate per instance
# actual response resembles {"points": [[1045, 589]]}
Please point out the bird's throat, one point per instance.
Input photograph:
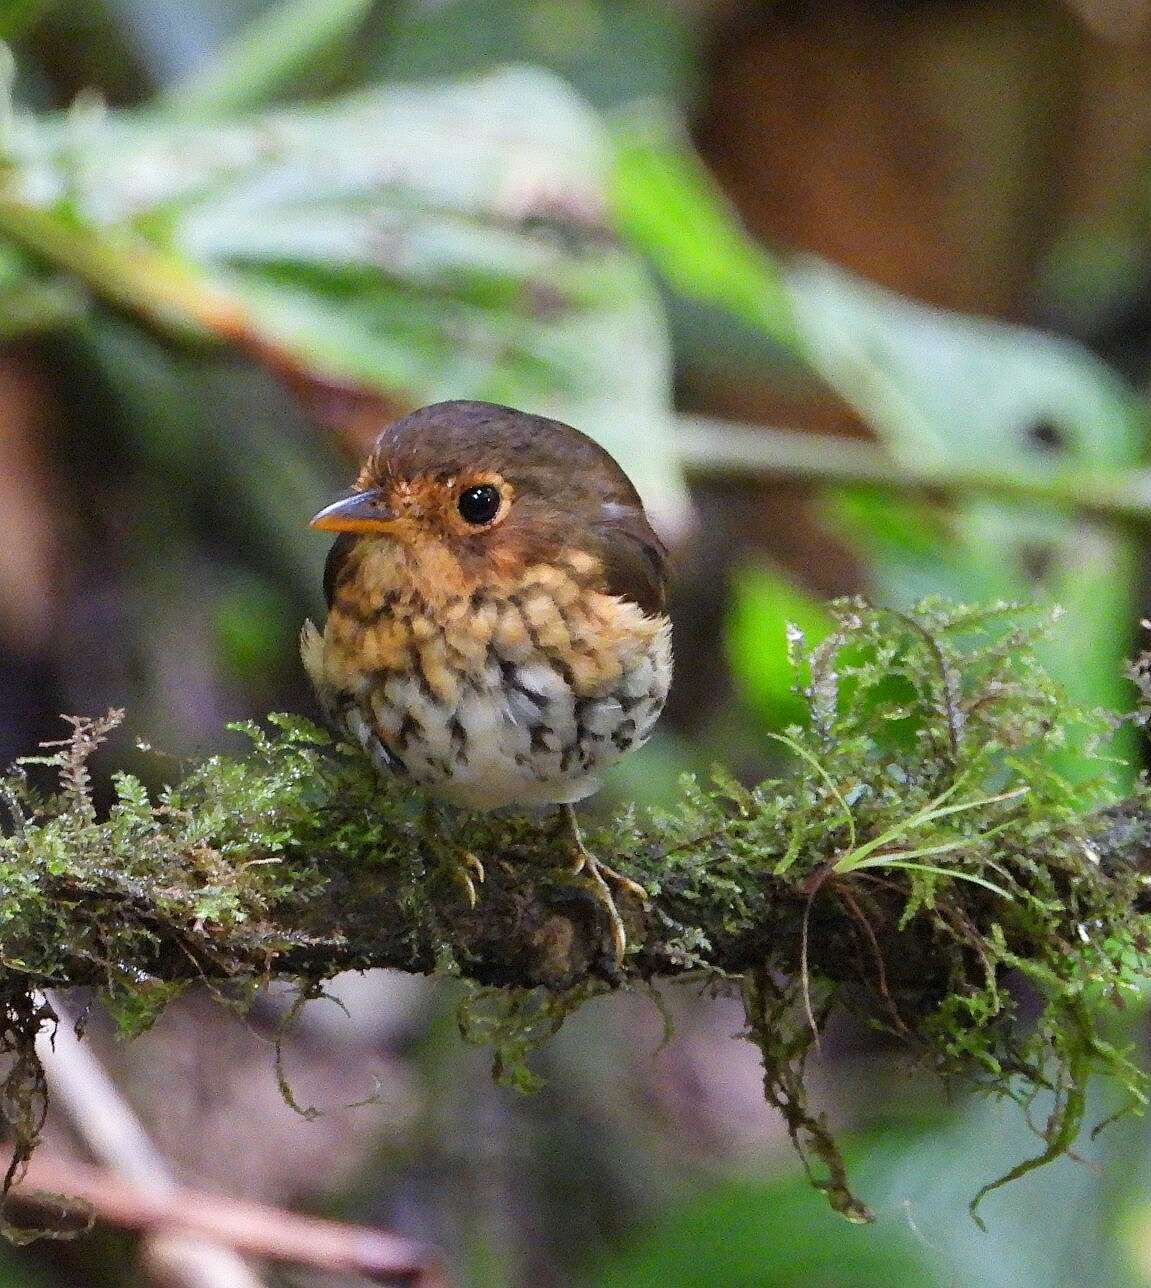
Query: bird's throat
{"points": [[385, 570]]}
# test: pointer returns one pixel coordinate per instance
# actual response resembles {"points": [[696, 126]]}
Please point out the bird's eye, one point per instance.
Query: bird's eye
{"points": [[480, 504]]}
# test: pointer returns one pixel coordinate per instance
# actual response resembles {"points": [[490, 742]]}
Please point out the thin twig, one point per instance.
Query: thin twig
{"points": [[252, 1228], [102, 1118], [725, 449], [114, 1134]]}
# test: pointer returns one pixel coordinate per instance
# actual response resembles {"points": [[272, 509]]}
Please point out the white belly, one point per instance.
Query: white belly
{"points": [[519, 736]]}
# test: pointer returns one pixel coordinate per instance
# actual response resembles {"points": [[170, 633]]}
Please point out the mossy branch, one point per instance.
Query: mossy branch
{"points": [[928, 848]]}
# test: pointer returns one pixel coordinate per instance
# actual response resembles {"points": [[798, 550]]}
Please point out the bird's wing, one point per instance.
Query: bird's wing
{"points": [[634, 558]]}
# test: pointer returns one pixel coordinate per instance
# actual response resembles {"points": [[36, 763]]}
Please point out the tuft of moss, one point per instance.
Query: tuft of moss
{"points": [[925, 862], [947, 869]]}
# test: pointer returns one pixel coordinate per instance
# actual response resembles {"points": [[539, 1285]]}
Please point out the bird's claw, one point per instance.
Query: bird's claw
{"points": [[461, 867], [465, 871], [468, 870], [600, 878]]}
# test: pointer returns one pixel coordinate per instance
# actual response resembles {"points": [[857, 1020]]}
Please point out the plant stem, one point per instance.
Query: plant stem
{"points": [[268, 54], [716, 448], [126, 272], [129, 273]]}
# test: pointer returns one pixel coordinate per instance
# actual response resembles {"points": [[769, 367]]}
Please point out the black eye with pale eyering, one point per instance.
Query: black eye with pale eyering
{"points": [[479, 504]]}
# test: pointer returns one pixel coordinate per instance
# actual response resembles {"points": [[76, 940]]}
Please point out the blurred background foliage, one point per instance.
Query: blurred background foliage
{"points": [[860, 293]]}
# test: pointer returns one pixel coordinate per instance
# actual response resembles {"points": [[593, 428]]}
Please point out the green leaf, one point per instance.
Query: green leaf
{"points": [[928, 383], [270, 52], [924, 379], [955, 874], [664, 200], [405, 245], [752, 1233], [764, 606], [961, 387]]}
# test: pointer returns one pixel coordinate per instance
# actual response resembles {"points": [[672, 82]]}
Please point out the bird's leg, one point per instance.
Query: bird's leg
{"points": [[601, 878], [459, 866]]}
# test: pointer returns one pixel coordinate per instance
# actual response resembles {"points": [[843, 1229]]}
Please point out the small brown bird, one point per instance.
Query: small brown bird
{"points": [[496, 629]]}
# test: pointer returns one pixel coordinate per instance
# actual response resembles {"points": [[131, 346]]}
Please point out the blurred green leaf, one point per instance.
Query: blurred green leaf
{"points": [[929, 383], [769, 1234], [612, 51], [16, 16], [764, 605], [665, 201], [279, 44], [412, 244], [961, 387], [923, 379]]}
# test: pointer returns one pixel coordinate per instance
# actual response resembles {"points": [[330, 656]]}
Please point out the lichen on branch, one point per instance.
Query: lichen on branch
{"points": [[925, 859]]}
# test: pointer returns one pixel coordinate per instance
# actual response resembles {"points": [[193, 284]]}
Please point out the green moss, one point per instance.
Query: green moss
{"points": [[921, 857], [937, 817], [514, 1022]]}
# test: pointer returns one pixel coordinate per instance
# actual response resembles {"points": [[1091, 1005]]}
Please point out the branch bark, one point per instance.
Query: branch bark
{"points": [[890, 873], [531, 927]]}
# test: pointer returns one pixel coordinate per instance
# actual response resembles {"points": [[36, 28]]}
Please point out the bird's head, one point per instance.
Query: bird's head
{"points": [[492, 491]]}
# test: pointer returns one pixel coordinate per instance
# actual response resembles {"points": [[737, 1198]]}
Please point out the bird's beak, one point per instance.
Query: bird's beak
{"points": [[360, 512]]}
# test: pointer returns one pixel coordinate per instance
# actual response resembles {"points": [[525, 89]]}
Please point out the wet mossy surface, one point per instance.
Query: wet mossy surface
{"points": [[925, 863]]}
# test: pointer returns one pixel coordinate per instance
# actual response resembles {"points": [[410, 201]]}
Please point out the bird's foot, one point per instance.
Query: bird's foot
{"points": [[460, 867], [468, 872], [600, 879]]}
